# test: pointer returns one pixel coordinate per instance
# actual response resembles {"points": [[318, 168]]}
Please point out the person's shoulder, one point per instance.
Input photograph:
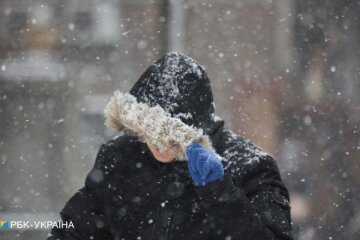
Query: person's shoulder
{"points": [[244, 160], [123, 142], [116, 149], [238, 146], [113, 157], [242, 155]]}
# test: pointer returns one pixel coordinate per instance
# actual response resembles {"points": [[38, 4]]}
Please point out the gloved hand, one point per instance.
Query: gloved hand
{"points": [[204, 166]]}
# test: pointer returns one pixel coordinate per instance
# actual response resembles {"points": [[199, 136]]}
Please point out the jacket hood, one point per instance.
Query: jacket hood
{"points": [[181, 87]]}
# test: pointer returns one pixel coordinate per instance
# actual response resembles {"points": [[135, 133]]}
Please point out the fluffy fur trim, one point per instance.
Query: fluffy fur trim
{"points": [[152, 125]]}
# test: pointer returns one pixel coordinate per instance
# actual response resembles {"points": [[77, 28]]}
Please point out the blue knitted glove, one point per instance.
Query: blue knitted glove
{"points": [[204, 165]]}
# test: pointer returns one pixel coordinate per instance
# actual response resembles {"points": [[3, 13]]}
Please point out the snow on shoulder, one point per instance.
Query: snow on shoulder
{"points": [[241, 149], [152, 125]]}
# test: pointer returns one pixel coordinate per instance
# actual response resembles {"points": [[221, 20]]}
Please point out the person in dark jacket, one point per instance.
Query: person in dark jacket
{"points": [[135, 191]]}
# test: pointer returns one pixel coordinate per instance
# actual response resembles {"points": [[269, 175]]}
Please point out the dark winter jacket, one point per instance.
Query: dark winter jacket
{"points": [[130, 195]]}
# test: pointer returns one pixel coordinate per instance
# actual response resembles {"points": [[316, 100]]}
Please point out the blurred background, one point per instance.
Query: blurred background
{"points": [[285, 74]]}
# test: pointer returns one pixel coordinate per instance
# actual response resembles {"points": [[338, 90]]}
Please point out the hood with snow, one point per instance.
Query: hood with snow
{"points": [[181, 87], [170, 106]]}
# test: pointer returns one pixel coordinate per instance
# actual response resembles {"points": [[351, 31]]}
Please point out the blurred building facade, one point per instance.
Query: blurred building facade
{"points": [[285, 74]]}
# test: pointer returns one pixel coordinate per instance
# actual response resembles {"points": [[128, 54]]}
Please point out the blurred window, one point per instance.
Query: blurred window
{"points": [[83, 21], [16, 22]]}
